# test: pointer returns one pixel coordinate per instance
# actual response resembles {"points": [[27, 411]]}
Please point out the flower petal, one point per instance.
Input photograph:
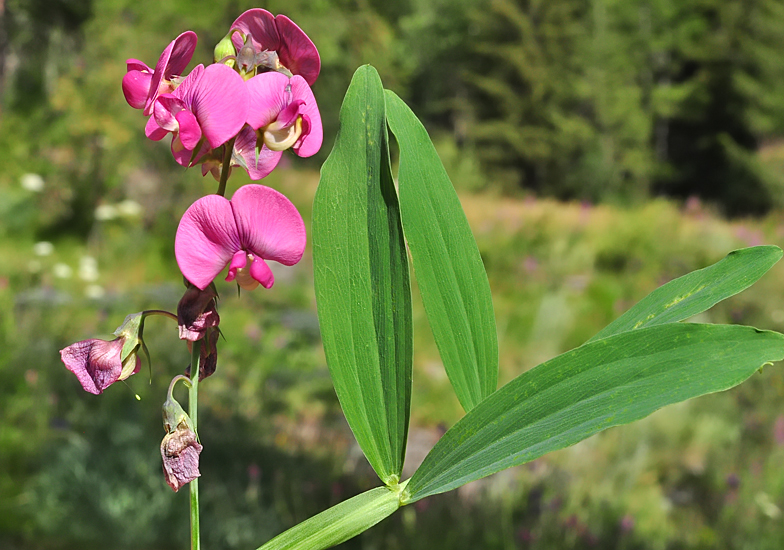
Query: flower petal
{"points": [[196, 312], [183, 156], [238, 261], [268, 225], [313, 135], [297, 52], [267, 98], [190, 133], [153, 131], [135, 86], [219, 101], [96, 363], [257, 162], [260, 24], [260, 271], [172, 62], [206, 240], [165, 112], [137, 65], [180, 454]]}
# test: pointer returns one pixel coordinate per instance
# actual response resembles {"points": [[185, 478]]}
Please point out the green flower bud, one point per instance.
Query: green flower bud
{"points": [[224, 51]]}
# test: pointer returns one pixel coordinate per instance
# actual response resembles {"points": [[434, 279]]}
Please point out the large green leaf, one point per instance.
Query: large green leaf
{"points": [[608, 382], [339, 523], [448, 267], [362, 282], [697, 291]]}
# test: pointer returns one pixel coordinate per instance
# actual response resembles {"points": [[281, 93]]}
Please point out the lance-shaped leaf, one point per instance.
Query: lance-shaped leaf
{"points": [[449, 270], [697, 291], [362, 282], [339, 523], [608, 382]]}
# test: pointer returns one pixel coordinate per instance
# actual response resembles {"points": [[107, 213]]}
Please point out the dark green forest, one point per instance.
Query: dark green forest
{"points": [[589, 100]]}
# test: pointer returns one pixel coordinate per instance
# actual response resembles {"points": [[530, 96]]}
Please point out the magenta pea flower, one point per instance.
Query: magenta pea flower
{"points": [[284, 114], [279, 34], [210, 104], [256, 225], [142, 85], [98, 364]]}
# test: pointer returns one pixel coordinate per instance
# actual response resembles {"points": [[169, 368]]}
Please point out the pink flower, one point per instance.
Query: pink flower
{"points": [[142, 85], [295, 51], [258, 224], [98, 364], [210, 103], [284, 114]]}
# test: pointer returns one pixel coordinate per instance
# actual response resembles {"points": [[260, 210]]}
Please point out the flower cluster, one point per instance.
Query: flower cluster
{"points": [[243, 110], [254, 100]]}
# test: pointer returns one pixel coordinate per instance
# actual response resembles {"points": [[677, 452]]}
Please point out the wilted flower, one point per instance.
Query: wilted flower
{"points": [[268, 42], [142, 85], [98, 364], [180, 448], [208, 353], [196, 312], [258, 224]]}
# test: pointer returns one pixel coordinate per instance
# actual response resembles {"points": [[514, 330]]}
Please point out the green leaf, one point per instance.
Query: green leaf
{"points": [[362, 282], [697, 291], [339, 523], [449, 270], [611, 381]]}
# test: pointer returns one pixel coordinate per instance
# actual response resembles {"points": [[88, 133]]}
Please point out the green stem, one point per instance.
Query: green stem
{"points": [[226, 167], [159, 312], [193, 398]]}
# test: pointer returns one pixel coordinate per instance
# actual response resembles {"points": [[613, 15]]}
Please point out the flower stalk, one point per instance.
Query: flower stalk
{"points": [[193, 398]]}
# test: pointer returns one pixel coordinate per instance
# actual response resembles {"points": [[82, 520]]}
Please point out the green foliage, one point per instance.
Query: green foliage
{"points": [[697, 291], [339, 523], [641, 363], [613, 381], [449, 270], [361, 279]]}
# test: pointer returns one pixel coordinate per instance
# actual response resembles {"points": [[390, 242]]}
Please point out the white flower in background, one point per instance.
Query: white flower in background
{"points": [[32, 182], [129, 209], [62, 271], [43, 248], [94, 292], [88, 269], [105, 212]]}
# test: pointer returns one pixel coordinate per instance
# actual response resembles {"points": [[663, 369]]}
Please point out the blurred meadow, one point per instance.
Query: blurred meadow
{"points": [[600, 149]]}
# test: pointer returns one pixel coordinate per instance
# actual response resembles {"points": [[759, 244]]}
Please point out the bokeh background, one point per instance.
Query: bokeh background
{"points": [[600, 149]]}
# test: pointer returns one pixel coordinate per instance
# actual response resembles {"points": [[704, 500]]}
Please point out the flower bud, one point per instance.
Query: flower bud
{"points": [[196, 312], [224, 51]]}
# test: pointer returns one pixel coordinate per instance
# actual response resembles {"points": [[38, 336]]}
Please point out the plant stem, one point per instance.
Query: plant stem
{"points": [[193, 398], [160, 312], [226, 167]]}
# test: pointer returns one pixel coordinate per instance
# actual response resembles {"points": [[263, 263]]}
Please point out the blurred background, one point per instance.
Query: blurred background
{"points": [[600, 149]]}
